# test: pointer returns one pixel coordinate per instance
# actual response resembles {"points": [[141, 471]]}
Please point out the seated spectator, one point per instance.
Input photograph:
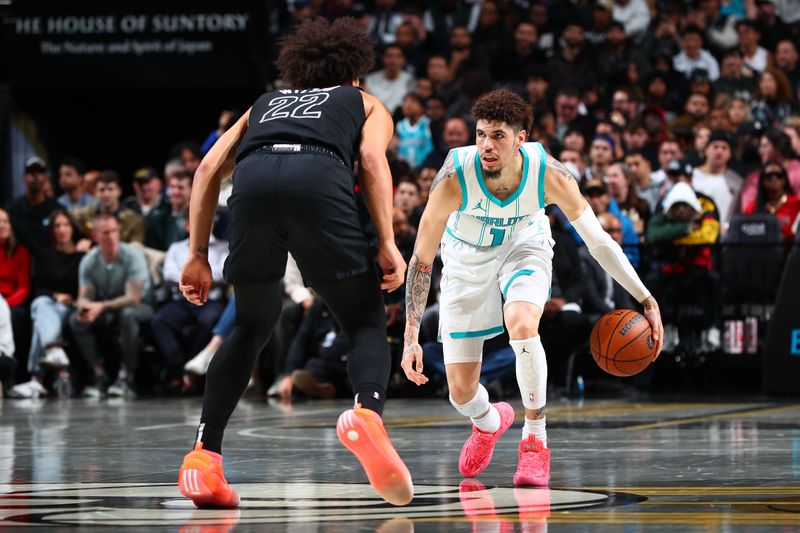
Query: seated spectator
{"points": [[169, 225], [596, 194], [641, 169], [72, 182], [736, 80], [113, 289], [754, 56], [694, 56], [406, 197], [775, 196], [170, 320], [8, 365], [29, 212], [108, 191], [227, 118], [696, 110], [738, 113], [774, 99], [198, 365], [715, 179], [413, 132], [54, 295], [621, 184], [15, 279], [317, 362], [601, 155], [774, 145], [575, 162], [147, 199], [687, 227], [603, 294], [189, 153], [391, 83]]}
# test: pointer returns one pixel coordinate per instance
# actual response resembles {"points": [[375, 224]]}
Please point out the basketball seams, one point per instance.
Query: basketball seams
{"points": [[602, 359], [614, 329], [637, 337]]}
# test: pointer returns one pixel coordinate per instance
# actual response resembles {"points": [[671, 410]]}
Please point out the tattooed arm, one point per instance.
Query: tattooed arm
{"points": [[561, 187], [445, 197]]}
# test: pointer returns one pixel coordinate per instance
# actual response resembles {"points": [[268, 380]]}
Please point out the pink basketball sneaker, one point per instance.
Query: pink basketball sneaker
{"points": [[477, 451], [533, 468]]}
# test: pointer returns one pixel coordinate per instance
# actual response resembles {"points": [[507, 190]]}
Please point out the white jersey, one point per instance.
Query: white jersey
{"points": [[483, 219]]}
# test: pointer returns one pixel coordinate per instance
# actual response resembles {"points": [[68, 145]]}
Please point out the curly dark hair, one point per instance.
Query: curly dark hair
{"points": [[322, 53], [502, 105]]}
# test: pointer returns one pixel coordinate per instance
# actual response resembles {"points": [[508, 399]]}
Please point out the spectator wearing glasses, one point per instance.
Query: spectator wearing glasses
{"points": [[776, 197]]}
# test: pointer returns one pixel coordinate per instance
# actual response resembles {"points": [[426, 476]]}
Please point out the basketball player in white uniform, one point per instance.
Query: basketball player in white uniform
{"points": [[486, 207]]}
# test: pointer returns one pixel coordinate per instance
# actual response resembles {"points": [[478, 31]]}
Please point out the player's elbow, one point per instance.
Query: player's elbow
{"points": [[372, 158]]}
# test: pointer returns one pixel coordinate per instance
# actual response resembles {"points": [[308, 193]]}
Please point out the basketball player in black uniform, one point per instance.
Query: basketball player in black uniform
{"points": [[291, 156]]}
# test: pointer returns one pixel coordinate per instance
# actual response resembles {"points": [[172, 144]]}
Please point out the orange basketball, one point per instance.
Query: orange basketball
{"points": [[622, 342]]}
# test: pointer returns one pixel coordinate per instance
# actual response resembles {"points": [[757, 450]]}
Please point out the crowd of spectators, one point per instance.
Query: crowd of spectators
{"points": [[676, 117]]}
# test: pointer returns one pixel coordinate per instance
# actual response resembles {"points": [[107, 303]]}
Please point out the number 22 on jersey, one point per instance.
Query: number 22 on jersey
{"points": [[294, 106]]}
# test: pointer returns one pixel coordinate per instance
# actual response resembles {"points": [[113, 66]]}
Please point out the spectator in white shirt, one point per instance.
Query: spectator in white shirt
{"points": [[754, 56], [693, 56], [715, 179], [391, 83], [634, 15], [170, 320]]}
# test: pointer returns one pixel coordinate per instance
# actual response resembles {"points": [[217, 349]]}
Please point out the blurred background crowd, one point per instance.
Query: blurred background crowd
{"points": [[679, 119]]}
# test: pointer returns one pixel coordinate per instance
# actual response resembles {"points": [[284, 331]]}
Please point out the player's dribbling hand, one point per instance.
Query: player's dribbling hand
{"points": [[392, 265], [195, 279], [653, 315], [412, 363]]}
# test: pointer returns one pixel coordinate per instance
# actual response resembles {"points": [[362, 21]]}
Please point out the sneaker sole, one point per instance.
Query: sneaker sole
{"points": [[192, 484], [500, 431], [387, 473], [531, 482]]}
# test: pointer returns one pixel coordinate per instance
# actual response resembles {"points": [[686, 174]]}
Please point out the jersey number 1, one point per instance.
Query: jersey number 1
{"points": [[497, 236], [287, 106]]}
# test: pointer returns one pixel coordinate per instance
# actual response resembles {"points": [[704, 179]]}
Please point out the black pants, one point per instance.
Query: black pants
{"points": [[358, 307]]}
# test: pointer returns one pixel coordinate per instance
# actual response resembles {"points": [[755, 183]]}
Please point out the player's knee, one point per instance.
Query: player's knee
{"points": [[461, 391], [522, 320]]}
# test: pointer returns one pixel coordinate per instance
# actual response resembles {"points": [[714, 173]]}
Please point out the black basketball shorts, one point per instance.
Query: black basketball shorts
{"points": [[301, 203]]}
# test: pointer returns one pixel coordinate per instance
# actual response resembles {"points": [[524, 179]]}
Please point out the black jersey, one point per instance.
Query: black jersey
{"points": [[330, 117]]}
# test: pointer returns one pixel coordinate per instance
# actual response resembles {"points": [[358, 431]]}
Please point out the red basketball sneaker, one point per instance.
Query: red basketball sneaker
{"points": [[202, 480], [477, 451], [533, 468]]}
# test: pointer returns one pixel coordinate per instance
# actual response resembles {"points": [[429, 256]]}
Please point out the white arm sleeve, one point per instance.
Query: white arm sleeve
{"points": [[609, 254]]}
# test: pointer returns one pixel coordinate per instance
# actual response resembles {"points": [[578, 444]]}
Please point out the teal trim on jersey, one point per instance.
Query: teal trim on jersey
{"points": [[542, 169], [473, 334], [453, 235], [461, 179], [515, 276], [490, 196]]}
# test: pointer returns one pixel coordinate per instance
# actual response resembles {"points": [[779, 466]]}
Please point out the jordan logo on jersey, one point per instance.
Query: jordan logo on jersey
{"points": [[479, 205]]}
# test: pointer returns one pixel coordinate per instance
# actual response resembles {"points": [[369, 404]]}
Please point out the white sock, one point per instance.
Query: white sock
{"points": [[488, 423], [479, 406], [536, 428]]}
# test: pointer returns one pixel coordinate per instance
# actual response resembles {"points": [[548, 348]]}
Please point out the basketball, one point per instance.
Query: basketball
{"points": [[622, 342]]}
